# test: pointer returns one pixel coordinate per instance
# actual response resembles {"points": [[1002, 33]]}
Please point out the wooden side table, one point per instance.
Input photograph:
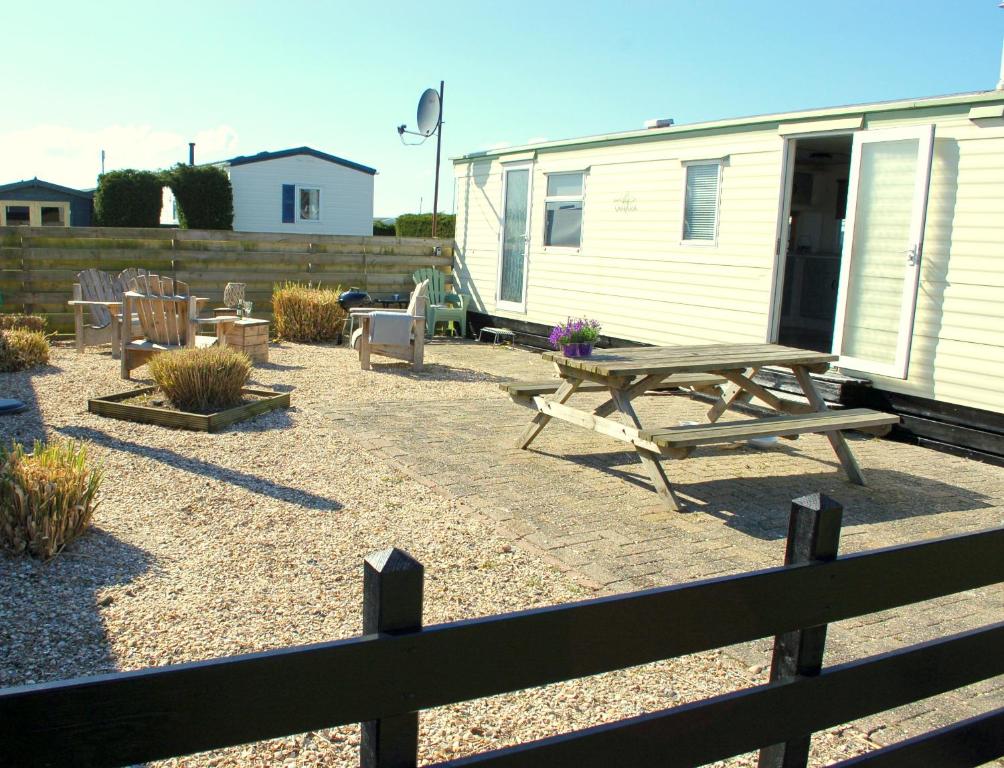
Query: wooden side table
{"points": [[250, 336]]}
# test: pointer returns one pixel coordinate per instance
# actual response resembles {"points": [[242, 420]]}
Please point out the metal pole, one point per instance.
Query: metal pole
{"points": [[439, 145]]}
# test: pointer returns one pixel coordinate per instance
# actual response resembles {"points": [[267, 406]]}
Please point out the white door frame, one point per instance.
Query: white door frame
{"points": [[781, 238], [788, 152], [912, 253], [512, 306]]}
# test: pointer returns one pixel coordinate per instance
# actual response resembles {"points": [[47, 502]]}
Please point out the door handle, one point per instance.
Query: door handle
{"points": [[913, 256]]}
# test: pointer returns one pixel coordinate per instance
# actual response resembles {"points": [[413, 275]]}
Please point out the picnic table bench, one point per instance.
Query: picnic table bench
{"points": [[726, 369]]}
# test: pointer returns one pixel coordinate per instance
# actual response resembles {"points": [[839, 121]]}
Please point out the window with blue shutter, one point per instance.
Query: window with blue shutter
{"points": [[288, 203]]}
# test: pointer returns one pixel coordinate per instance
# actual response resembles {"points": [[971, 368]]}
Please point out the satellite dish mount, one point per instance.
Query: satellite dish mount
{"points": [[430, 121]]}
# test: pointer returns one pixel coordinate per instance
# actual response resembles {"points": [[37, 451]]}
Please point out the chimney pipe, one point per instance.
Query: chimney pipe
{"points": [[1000, 83], [191, 153]]}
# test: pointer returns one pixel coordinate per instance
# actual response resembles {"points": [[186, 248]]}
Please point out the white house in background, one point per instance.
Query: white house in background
{"points": [[301, 190], [297, 190], [875, 231]]}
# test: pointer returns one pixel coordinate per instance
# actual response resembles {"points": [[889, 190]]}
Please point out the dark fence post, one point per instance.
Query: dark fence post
{"points": [[392, 602], [813, 537]]}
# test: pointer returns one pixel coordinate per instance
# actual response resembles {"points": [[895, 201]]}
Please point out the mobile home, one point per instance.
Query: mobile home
{"points": [[874, 230], [37, 203], [301, 190]]}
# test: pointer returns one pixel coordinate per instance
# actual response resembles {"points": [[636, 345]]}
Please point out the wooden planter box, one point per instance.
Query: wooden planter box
{"points": [[112, 406]]}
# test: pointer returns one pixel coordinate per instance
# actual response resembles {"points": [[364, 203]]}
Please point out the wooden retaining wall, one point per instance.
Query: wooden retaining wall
{"points": [[38, 265]]}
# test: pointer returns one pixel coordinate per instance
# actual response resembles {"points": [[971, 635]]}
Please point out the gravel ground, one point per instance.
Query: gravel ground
{"points": [[252, 539]]}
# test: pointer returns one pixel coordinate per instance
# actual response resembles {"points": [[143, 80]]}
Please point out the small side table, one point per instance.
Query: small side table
{"points": [[395, 299], [499, 336], [251, 337]]}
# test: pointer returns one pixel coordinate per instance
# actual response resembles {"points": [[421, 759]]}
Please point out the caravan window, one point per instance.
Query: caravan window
{"points": [[563, 210], [310, 204], [700, 205]]}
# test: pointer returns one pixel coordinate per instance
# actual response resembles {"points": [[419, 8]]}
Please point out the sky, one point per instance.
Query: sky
{"points": [[142, 79]]}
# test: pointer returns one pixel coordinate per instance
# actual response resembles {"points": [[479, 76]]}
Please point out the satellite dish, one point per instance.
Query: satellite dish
{"points": [[429, 111]]}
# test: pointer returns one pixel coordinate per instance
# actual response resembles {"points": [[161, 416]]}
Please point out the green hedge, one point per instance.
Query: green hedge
{"points": [[205, 197], [128, 198], [420, 225], [383, 229]]}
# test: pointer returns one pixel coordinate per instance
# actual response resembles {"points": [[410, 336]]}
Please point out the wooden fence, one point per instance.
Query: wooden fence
{"points": [[38, 265], [384, 678]]}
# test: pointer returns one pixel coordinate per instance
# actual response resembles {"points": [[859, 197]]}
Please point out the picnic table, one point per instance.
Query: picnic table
{"points": [[724, 370]]}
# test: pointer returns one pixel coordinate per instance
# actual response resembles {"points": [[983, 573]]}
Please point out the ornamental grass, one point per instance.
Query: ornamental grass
{"points": [[47, 497], [21, 349], [10, 322], [202, 380], [303, 313]]}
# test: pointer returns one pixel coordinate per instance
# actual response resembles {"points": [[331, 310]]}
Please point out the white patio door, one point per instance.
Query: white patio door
{"points": [[883, 247], [514, 239]]}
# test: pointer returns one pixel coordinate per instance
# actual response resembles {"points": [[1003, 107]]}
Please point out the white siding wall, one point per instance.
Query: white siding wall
{"points": [[633, 274], [346, 196]]}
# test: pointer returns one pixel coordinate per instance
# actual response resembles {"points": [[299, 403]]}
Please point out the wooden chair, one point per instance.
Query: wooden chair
{"points": [[101, 294], [413, 352], [168, 316], [443, 306]]}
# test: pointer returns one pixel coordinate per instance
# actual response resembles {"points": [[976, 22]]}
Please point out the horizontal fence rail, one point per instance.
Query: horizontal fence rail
{"points": [[735, 723], [971, 742], [133, 717], [38, 265]]}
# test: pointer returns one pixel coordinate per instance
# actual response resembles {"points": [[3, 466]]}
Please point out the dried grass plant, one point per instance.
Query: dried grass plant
{"points": [[201, 380], [47, 497], [304, 313], [22, 322], [22, 349]]}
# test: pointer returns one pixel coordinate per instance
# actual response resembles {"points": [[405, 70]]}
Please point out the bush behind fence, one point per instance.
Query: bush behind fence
{"points": [[38, 266]]}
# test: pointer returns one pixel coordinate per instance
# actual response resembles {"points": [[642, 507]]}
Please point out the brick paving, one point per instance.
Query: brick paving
{"points": [[587, 504]]}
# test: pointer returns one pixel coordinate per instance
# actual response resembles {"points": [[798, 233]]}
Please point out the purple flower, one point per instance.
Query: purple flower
{"points": [[574, 331]]}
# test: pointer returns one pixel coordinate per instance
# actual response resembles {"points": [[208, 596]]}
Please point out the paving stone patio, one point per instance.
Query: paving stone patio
{"points": [[584, 501]]}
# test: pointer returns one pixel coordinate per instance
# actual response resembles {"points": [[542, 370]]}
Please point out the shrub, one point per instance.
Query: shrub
{"points": [[47, 498], [128, 198], [21, 349], [383, 229], [420, 225], [205, 197], [22, 322], [201, 380], [303, 313]]}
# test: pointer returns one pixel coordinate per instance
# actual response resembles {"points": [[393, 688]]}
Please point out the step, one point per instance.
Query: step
{"points": [[779, 426], [549, 387]]}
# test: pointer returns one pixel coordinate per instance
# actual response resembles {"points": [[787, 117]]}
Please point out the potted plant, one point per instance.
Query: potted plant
{"points": [[576, 337]]}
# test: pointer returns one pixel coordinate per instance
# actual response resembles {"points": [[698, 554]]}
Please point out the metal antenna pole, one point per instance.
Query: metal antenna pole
{"points": [[439, 144]]}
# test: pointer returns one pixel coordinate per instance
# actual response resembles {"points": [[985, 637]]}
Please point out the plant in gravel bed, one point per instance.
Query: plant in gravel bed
{"points": [[10, 322], [303, 313], [21, 349], [47, 497], [202, 380]]}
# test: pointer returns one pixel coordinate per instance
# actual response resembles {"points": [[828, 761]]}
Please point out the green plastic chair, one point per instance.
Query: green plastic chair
{"points": [[444, 306]]}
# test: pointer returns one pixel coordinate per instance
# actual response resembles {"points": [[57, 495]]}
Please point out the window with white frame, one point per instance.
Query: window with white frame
{"points": [[310, 204], [563, 209], [700, 204]]}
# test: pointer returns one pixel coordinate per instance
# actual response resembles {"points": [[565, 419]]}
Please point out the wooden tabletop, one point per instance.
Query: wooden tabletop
{"points": [[638, 361]]}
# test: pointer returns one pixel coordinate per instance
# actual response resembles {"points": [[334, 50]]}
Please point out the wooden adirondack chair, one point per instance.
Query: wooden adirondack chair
{"points": [[413, 352], [444, 306], [168, 316], [101, 294]]}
